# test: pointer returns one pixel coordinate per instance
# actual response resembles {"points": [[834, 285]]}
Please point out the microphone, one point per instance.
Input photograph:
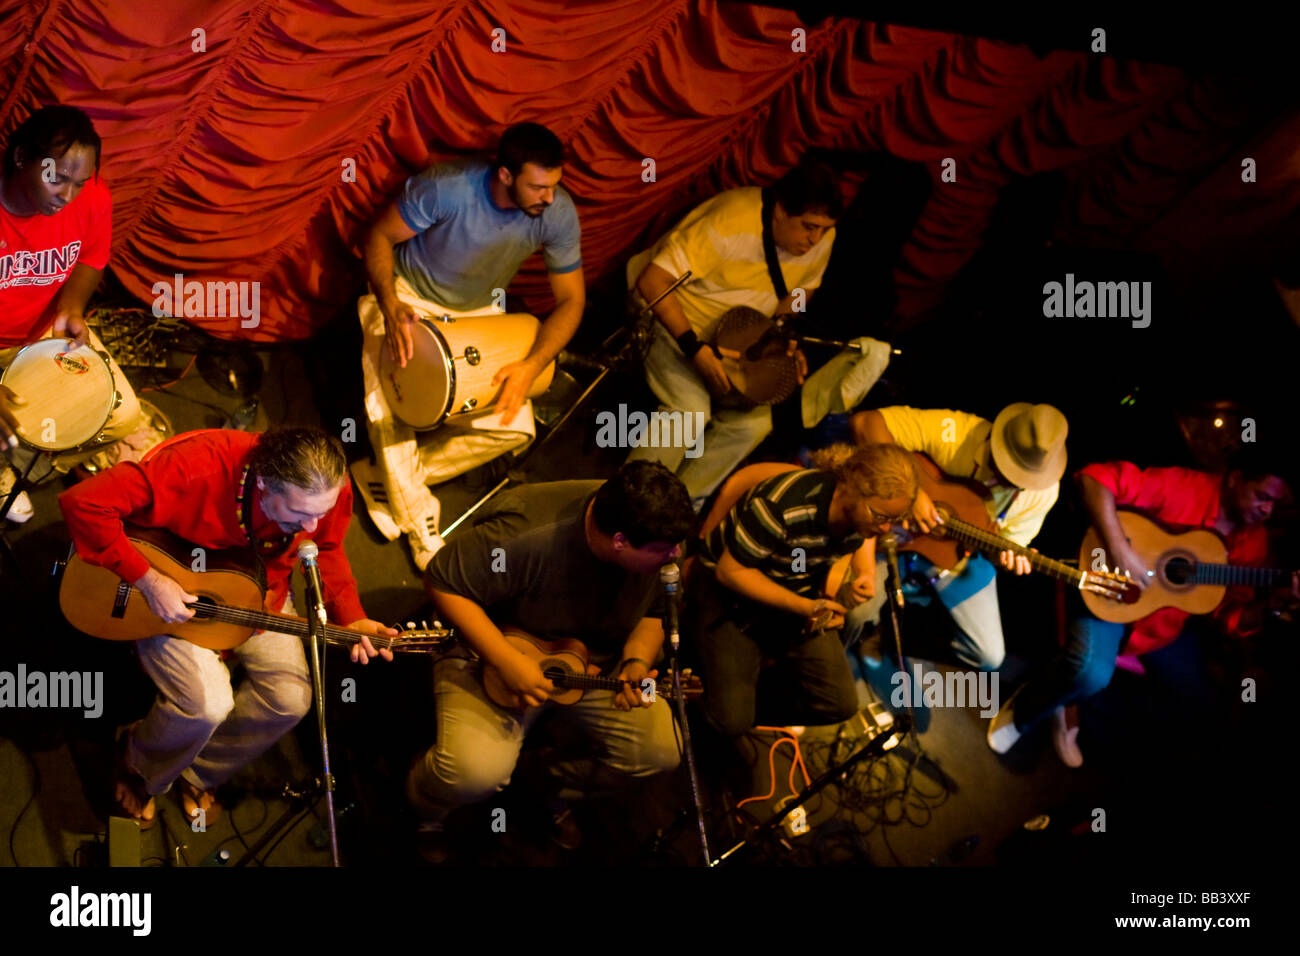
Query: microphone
{"points": [[307, 553], [670, 577], [582, 363], [890, 541]]}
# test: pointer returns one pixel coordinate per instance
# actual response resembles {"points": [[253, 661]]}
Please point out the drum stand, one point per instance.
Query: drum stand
{"points": [[20, 485], [605, 368]]}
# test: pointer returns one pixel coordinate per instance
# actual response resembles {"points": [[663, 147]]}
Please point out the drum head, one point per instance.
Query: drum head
{"points": [[69, 394], [420, 394]]}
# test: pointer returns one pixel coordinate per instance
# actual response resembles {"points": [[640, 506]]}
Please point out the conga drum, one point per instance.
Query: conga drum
{"points": [[69, 395], [454, 361]]}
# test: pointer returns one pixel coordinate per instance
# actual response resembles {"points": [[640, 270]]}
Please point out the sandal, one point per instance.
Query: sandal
{"points": [[131, 798], [193, 799]]}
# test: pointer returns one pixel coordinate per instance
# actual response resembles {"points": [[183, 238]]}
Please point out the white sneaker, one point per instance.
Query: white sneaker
{"points": [[423, 548], [370, 482], [1065, 739], [21, 510], [1003, 732]]}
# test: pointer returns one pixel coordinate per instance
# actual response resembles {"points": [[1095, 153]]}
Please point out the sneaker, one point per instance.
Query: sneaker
{"points": [[21, 510], [1003, 732], [370, 482], [1065, 736], [424, 547]]}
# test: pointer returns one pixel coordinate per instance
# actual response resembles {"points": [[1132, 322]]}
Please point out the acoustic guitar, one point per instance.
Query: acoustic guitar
{"points": [[968, 528], [564, 662], [229, 610], [1189, 568]]}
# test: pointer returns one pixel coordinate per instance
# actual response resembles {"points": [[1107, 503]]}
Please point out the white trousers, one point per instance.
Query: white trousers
{"points": [[202, 727], [410, 461]]}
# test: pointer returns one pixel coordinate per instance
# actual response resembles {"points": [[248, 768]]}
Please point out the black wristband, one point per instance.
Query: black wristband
{"points": [[689, 343], [630, 660]]}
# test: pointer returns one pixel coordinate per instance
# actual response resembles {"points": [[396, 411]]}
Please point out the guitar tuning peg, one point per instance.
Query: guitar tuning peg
{"points": [[410, 625]]}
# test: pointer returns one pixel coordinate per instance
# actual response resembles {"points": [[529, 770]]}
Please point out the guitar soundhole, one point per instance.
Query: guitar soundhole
{"points": [[204, 607], [1179, 571]]}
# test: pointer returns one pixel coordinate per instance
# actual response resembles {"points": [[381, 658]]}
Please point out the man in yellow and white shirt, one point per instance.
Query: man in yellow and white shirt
{"points": [[721, 242], [1020, 458]]}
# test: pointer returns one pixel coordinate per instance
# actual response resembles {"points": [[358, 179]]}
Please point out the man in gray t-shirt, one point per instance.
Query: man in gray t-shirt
{"points": [[465, 229], [568, 559], [452, 241]]}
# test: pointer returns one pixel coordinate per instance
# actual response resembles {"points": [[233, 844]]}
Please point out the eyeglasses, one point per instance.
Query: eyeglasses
{"points": [[879, 518]]}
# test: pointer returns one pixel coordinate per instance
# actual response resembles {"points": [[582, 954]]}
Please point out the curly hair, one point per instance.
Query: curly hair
{"points": [[873, 471]]}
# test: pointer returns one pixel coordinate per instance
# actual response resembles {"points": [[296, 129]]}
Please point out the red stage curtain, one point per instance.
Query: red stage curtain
{"points": [[228, 164]]}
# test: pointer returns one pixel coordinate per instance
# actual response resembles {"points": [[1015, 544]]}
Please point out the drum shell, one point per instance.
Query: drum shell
{"points": [[71, 390], [439, 380]]}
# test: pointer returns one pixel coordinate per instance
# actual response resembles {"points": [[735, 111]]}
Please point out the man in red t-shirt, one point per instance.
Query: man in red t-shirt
{"points": [[220, 489], [55, 233], [1236, 505]]}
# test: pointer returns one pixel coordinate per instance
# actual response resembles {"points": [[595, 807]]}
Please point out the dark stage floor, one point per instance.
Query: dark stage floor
{"points": [[1169, 788]]}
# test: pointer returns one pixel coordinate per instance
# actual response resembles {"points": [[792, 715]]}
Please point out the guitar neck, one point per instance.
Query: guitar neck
{"points": [[283, 624], [1231, 575], [977, 538]]}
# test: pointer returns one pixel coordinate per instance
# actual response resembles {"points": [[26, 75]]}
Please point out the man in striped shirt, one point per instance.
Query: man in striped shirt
{"points": [[764, 596]]}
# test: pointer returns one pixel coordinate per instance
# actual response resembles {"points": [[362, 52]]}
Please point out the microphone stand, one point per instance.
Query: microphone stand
{"points": [[304, 798], [671, 576]]}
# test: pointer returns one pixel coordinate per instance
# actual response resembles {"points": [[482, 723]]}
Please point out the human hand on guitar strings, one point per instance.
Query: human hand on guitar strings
{"points": [[363, 650], [524, 678], [1017, 563], [165, 597], [631, 675], [925, 516]]}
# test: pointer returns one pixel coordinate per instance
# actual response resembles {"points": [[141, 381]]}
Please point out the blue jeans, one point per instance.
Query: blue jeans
{"points": [[1082, 669], [971, 598]]}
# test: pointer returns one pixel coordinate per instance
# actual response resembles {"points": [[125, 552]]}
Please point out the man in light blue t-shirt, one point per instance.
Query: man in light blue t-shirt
{"points": [[455, 237], [460, 231]]}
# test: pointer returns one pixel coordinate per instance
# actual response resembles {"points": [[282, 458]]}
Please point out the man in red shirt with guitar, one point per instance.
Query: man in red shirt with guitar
{"points": [[1180, 574], [220, 489]]}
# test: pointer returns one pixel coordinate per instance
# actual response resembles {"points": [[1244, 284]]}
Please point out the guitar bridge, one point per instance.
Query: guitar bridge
{"points": [[119, 602]]}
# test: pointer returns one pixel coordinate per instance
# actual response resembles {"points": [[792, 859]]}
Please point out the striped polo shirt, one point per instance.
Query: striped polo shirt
{"points": [[782, 527]]}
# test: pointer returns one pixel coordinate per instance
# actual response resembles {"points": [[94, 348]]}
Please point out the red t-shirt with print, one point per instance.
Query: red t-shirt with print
{"points": [[38, 253]]}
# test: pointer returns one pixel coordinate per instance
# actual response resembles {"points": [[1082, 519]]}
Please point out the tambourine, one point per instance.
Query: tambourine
{"points": [[765, 373]]}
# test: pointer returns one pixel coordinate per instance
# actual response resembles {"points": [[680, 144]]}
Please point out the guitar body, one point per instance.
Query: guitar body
{"points": [[97, 602], [568, 656], [965, 499], [1168, 553]]}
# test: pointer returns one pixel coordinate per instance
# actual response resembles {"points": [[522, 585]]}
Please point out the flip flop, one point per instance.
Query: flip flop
{"points": [[192, 799]]}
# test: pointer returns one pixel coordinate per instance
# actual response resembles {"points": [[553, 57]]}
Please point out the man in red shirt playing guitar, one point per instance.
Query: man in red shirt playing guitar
{"points": [[220, 489], [1235, 506]]}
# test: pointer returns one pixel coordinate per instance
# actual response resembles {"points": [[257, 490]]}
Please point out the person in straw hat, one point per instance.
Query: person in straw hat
{"points": [[1020, 458]]}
